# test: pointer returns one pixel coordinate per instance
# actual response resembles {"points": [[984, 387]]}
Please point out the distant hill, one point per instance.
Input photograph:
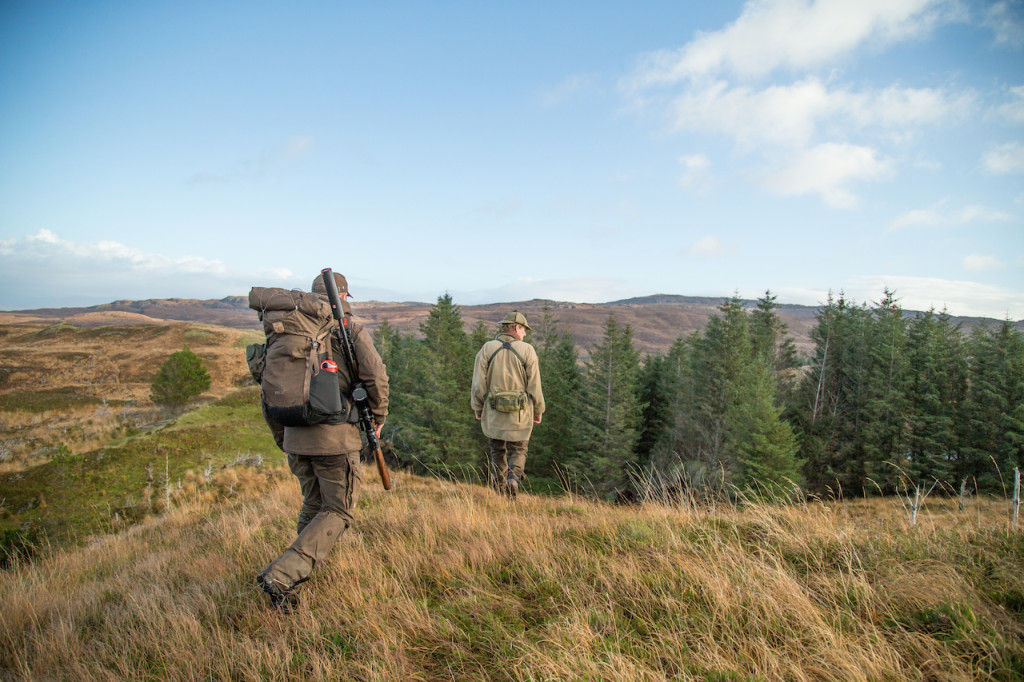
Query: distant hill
{"points": [[656, 320]]}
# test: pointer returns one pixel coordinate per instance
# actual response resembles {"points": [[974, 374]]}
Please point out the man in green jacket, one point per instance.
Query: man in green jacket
{"points": [[507, 399], [325, 460]]}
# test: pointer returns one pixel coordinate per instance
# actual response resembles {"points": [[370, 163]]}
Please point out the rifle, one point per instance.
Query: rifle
{"points": [[359, 395]]}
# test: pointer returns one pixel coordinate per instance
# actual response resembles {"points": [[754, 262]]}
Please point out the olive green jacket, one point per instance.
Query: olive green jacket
{"points": [[506, 372], [336, 439]]}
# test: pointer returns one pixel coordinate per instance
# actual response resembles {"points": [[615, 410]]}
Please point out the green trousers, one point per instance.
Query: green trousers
{"points": [[508, 457], [330, 488]]}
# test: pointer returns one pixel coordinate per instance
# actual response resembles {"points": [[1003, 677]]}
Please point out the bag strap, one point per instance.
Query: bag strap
{"points": [[505, 345]]}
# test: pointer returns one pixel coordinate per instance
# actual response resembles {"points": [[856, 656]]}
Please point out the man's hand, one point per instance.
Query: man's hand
{"points": [[377, 430], [479, 416], [536, 418]]}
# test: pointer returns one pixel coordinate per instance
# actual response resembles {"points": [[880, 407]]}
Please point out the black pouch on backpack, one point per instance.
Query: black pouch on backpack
{"points": [[326, 403]]}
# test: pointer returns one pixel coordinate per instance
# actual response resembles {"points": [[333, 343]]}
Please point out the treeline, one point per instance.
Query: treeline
{"points": [[885, 400]]}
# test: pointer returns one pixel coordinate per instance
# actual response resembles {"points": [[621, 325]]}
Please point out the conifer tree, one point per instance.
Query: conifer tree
{"points": [[744, 431], [769, 335], [831, 398], [994, 433], [556, 443], [444, 433], [611, 412], [481, 334], [183, 376], [936, 387], [655, 394], [719, 355], [886, 407], [674, 456], [763, 444], [394, 350]]}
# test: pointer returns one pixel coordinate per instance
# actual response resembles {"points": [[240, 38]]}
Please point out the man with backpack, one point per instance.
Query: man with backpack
{"points": [[507, 399], [324, 456]]}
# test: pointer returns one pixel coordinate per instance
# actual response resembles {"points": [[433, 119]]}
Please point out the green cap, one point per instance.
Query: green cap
{"points": [[515, 317]]}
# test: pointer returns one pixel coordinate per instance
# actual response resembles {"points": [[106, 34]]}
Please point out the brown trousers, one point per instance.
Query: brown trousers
{"points": [[330, 488], [508, 458]]}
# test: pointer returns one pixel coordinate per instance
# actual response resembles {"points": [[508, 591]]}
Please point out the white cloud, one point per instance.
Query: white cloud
{"points": [[67, 273], [1013, 108], [976, 261], [938, 216], [1005, 20], [961, 298], [1005, 159], [707, 248], [793, 34], [828, 170], [920, 217], [830, 133], [576, 290], [697, 176], [794, 114]]}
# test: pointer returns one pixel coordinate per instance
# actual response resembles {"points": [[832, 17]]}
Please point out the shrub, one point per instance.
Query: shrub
{"points": [[182, 377]]}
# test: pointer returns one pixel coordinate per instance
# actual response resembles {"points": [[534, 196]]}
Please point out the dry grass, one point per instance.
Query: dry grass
{"points": [[83, 386], [444, 581]]}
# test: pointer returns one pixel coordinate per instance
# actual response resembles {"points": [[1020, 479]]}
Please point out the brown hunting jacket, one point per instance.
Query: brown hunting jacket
{"points": [[506, 372]]}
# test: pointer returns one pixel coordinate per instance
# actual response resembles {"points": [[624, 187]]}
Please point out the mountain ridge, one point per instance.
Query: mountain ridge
{"points": [[657, 320]]}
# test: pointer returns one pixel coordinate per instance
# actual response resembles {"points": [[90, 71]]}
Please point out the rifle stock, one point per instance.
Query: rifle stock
{"points": [[359, 395]]}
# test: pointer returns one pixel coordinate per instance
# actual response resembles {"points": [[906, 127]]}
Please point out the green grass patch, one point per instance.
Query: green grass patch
{"points": [[55, 330], [250, 337], [72, 496], [46, 399], [201, 336]]}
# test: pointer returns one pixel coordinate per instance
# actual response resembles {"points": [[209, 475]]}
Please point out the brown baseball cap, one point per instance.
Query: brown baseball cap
{"points": [[339, 280]]}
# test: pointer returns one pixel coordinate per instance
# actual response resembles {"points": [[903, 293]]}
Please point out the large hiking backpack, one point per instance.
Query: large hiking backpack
{"points": [[297, 374]]}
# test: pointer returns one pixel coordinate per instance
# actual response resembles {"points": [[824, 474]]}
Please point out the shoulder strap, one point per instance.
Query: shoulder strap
{"points": [[505, 345]]}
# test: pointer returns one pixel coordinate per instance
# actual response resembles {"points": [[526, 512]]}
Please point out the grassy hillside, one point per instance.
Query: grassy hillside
{"points": [[445, 581], [80, 386], [174, 518], [83, 449], [129, 478]]}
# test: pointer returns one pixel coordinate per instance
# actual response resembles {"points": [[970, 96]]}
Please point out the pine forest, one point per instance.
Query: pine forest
{"points": [[886, 403]]}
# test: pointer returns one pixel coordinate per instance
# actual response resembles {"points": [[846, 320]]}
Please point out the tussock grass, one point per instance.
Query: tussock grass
{"points": [[440, 581], [86, 491]]}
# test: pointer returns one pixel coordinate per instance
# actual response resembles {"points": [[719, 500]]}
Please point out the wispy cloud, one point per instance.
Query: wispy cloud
{"points": [[1012, 109], [570, 87], [707, 247], [794, 114], [975, 261], [268, 162], [1005, 159], [939, 216], [99, 272], [576, 290], [697, 176], [1006, 22], [959, 297]]}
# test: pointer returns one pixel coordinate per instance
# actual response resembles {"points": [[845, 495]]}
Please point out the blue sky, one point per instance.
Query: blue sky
{"points": [[574, 151]]}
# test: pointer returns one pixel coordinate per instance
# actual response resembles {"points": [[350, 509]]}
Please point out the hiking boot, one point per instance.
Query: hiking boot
{"points": [[282, 600], [512, 487]]}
